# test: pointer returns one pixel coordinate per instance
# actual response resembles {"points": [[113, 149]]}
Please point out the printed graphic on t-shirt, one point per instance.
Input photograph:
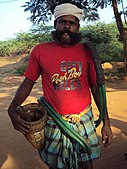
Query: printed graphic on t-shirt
{"points": [[69, 77]]}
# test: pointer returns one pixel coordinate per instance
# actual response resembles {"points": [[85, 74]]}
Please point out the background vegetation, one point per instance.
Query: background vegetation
{"points": [[104, 36]]}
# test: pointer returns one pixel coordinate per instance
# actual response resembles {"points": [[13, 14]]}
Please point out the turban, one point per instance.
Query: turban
{"points": [[67, 9]]}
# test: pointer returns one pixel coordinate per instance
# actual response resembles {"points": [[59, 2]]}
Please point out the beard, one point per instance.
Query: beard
{"points": [[73, 38]]}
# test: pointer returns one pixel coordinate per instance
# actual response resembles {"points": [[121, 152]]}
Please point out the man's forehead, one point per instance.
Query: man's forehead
{"points": [[68, 18]]}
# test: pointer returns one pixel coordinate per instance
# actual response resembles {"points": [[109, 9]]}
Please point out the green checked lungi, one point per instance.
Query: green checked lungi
{"points": [[62, 152]]}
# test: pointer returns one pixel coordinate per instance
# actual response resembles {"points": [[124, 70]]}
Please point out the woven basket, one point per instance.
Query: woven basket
{"points": [[36, 118]]}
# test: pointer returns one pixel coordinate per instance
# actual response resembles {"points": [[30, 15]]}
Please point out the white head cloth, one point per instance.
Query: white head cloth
{"points": [[67, 9]]}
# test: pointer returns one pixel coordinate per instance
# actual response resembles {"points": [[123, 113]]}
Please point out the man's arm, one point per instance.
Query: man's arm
{"points": [[20, 96], [106, 130]]}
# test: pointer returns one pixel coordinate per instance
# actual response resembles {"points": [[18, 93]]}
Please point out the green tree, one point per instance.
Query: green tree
{"points": [[42, 10], [106, 40], [24, 42], [41, 33], [122, 26]]}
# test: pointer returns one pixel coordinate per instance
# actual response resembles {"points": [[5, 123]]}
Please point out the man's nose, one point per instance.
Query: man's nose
{"points": [[67, 25]]}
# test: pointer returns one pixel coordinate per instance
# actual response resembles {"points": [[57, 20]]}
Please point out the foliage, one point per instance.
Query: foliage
{"points": [[42, 10], [5, 47], [104, 36], [118, 13], [41, 33], [106, 40], [21, 69], [24, 42], [105, 3]]}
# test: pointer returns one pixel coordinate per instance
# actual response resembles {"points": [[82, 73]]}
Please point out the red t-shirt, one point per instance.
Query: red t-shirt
{"points": [[66, 74]]}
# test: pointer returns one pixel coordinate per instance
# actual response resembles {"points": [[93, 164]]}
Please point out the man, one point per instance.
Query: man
{"points": [[68, 76]]}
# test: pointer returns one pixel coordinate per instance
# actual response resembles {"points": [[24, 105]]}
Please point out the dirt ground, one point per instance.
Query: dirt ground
{"points": [[17, 153]]}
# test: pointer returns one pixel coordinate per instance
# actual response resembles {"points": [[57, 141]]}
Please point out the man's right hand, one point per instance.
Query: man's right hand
{"points": [[18, 123], [20, 96]]}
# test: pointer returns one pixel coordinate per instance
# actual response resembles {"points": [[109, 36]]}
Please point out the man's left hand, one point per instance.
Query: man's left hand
{"points": [[107, 135]]}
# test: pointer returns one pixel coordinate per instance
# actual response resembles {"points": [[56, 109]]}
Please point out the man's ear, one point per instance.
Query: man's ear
{"points": [[78, 25], [55, 22]]}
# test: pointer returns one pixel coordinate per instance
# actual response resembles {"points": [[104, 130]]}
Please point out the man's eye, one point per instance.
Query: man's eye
{"points": [[61, 21], [72, 23], [65, 22]]}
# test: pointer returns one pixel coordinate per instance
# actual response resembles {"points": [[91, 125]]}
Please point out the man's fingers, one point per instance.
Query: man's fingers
{"points": [[21, 126], [109, 140], [106, 143], [24, 124], [103, 138]]}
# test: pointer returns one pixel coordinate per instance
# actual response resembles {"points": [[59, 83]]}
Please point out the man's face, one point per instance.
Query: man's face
{"points": [[67, 27]]}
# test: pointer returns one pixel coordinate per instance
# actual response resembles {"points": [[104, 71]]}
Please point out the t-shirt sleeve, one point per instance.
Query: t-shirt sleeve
{"points": [[92, 76], [33, 69]]}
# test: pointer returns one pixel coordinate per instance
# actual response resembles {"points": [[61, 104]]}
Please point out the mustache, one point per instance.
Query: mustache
{"points": [[75, 37], [65, 31], [58, 33]]}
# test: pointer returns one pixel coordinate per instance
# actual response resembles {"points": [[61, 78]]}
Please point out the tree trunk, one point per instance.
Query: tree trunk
{"points": [[122, 31], [125, 54]]}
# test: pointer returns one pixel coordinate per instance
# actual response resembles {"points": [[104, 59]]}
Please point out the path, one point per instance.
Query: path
{"points": [[17, 153]]}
